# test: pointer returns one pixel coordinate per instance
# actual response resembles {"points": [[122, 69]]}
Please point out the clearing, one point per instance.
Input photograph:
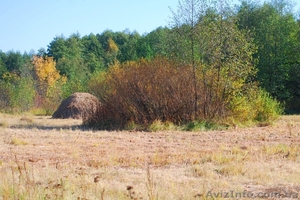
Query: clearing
{"points": [[43, 158]]}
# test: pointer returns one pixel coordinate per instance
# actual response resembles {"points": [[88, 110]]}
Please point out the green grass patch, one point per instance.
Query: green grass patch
{"points": [[39, 111], [198, 125], [132, 126], [158, 125]]}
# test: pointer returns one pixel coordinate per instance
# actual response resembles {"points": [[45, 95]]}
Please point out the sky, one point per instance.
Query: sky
{"points": [[32, 24], [27, 25]]}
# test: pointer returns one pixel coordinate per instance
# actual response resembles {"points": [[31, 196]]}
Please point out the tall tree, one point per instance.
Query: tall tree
{"points": [[14, 61], [112, 51], [184, 24], [46, 73], [275, 31], [57, 48], [3, 68], [93, 53], [208, 39], [154, 43], [129, 48]]}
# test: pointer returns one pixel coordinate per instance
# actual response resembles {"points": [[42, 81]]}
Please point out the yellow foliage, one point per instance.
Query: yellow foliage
{"points": [[10, 76], [112, 46], [64, 79], [45, 69], [47, 74]]}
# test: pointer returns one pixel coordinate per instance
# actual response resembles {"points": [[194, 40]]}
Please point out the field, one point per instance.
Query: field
{"points": [[43, 158]]}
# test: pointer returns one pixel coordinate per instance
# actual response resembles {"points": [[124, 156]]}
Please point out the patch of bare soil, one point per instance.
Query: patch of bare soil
{"points": [[242, 163]]}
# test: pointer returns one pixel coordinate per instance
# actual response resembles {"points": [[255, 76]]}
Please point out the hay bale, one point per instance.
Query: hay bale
{"points": [[77, 106]]}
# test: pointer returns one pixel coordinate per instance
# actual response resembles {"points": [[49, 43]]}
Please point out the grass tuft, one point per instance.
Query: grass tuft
{"points": [[158, 125], [132, 126], [28, 120], [3, 125], [17, 141], [150, 185], [203, 126]]}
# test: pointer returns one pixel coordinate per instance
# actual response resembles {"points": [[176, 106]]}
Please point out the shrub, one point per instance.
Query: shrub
{"points": [[143, 92], [254, 106], [267, 108], [16, 95], [24, 95], [157, 92], [5, 95], [53, 97]]}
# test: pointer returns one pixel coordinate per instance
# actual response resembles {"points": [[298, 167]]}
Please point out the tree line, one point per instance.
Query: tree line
{"points": [[225, 46]]}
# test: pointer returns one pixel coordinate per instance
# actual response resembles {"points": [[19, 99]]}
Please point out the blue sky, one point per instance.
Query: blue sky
{"points": [[32, 24]]}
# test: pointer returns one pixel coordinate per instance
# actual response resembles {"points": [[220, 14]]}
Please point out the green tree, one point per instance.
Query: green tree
{"points": [[184, 25], [3, 68], [207, 38], [274, 30], [57, 48], [128, 47], [17, 93], [14, 61], [153, 44], [68, 54], [93, 53]]}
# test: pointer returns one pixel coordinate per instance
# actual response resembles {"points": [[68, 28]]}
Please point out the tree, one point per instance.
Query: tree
{"points": [[57, 48], [153, 44], [26, 69], [112, 51], [68, 54], [93, 53], [17, 93], [129, 47], [274, 30], [14, 61], [3, 68], [46, 73], [208, 40], [184, 24]]}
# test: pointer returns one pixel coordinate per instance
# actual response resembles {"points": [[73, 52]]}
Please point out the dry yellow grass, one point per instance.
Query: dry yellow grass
{"points": [[60, 160]]}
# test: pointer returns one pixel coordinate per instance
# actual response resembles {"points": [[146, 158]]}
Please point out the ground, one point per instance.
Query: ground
{"points": [[44, 158]]}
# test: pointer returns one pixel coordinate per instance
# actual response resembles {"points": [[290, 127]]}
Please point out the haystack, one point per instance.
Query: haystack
{"points": [[77, 106]]}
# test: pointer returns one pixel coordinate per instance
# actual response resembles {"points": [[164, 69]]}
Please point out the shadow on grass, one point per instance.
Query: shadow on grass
{"points": [[52, 127]]}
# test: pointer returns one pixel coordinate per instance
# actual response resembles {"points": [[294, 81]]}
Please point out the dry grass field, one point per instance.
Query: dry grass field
{"points": [[43, 158]]}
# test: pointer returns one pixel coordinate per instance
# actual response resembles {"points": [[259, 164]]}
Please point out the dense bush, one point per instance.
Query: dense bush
{"points": [[145, 92], [17, 95], [255, 105]]}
